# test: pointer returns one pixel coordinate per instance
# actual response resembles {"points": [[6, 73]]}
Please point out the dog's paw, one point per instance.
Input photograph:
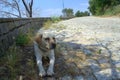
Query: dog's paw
{"points": [[50, 73], [42, 73]]}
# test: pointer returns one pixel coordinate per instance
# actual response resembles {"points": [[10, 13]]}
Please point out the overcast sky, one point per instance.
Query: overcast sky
{"points": [[48, 8]]}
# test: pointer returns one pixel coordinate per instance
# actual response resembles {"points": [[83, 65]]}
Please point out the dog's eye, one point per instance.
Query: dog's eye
{"points": [[54, 38], [47, 38]]}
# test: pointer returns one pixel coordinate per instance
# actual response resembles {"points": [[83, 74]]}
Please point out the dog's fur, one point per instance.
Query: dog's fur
{"points": [[44, 46]]}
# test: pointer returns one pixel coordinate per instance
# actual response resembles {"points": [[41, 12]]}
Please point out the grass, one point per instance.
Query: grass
{"points": [[18, 62], [55, 19], [100, 51], [47, 24], [10, 63], [51, 23], [118, 68], [24, 38]]}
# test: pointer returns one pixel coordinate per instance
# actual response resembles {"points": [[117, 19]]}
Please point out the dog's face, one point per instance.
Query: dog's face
{"points": [[46, 42]]}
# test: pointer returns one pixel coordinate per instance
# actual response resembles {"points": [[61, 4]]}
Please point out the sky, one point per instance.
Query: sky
{"points": [[48, 8]]}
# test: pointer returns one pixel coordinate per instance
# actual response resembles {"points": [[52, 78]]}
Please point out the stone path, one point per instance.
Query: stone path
{"points": [[88, 48]]}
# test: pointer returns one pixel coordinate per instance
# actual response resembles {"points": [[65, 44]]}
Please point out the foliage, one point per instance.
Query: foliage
{"points": [[16, 63], [47, 24], [22, 39], [98, 7], [10, 61], [55, 19], [80, 14], [113, 11], [67, 12]]}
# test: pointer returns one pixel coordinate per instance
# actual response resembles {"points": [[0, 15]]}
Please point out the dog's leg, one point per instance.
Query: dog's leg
{"points": [[51, 56], [39, 61]]}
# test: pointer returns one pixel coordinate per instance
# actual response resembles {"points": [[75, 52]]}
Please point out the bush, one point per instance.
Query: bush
{"points": [[55, 19], [47, 24], [80, 14], [22, 39], [113, 11]]}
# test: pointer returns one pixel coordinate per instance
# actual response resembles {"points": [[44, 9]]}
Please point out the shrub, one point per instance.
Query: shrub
{"points": [[113, 11], [47, 24], [22, 39], [55, 19]]}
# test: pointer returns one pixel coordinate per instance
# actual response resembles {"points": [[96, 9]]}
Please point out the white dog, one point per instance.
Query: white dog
{"points": [[44, 46]]}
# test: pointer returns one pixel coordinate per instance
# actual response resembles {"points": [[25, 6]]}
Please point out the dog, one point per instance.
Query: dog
{"points": [[44, 46]]}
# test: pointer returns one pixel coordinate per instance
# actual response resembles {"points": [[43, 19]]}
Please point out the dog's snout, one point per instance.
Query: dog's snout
{"points": [[53, 45]]}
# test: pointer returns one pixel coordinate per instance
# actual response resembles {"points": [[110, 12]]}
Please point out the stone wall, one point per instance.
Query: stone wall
{"points": [[11, 27]]}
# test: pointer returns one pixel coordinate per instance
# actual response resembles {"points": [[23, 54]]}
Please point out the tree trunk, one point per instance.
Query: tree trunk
{"points": [[28, 7]]}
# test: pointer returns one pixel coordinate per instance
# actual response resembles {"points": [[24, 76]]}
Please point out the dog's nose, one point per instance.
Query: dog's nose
{"points": [[53, 45]]}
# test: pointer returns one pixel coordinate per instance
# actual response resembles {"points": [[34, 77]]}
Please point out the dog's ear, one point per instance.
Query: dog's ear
{"points": [[38, 38]]}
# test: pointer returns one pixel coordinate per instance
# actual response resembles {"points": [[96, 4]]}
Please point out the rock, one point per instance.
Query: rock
{"points": [[116, 57], [106, 74], [94, 66], [66, 78], [90, 78], [116, 63], [78, 78], [105, 65], [103, 60]]}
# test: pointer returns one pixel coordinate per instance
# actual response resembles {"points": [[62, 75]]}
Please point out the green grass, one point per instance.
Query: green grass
{"points": [[16, 62], [49, 23], [55, 19], [118, 68], [9, 63], [22, 39]]}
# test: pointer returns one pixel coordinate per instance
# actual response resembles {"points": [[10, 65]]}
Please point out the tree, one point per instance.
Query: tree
{"points": [[67, 12], [10, 5], [28, 7], [86, 13], [98, 7], [13, 8], [80, 14], [77, 14]]}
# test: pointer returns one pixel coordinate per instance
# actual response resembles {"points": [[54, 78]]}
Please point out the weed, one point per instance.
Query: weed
{"points": [[47, 24], [22, 39], [118, 68], [55, 19], [100, 51], [10, 60]]}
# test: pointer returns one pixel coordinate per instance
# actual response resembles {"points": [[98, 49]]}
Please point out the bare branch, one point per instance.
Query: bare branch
{"points": [[18, 8], [11, 5], [28, 7], [7, 4], [9, 13]]}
